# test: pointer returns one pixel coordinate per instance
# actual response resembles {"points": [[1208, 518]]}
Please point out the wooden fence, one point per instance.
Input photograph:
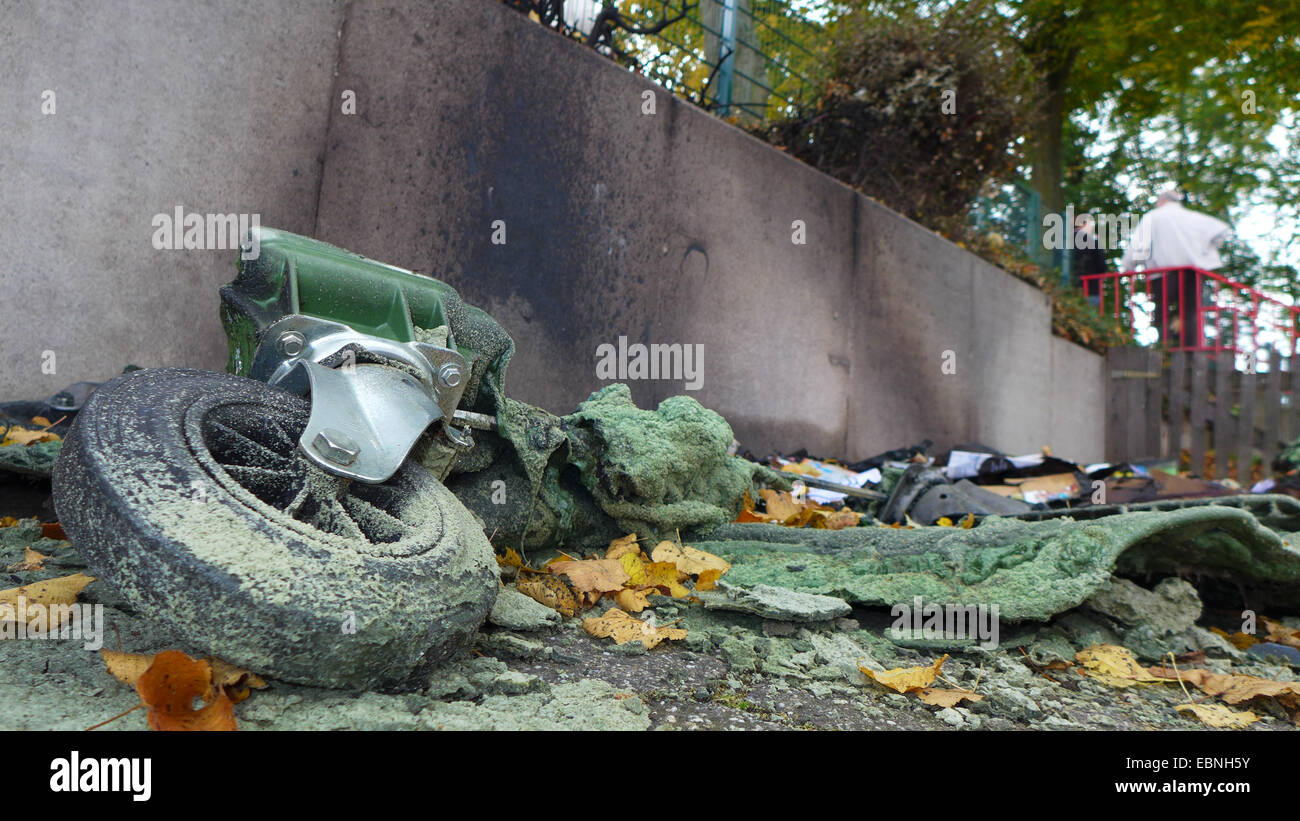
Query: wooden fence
{"points": [[1194, 405]]}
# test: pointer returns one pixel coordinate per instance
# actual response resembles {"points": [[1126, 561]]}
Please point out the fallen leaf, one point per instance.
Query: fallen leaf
{"points": [[236, 681], [623, 628], [592, 576], [32, 560], [906, 679], [550, 590], [1240, 640], [48, 593], [663, 575], [947, 698], [689, 560], [1239, 688], [169, 687], [510, 559], [708, 580], [8, 521], [53, 530], [1279, 633], [125, 667], [1217, 715], [780, 504], [782, 509], [1113, 665], [836, 520], [622, 546], [632, 601], [17, 435]]}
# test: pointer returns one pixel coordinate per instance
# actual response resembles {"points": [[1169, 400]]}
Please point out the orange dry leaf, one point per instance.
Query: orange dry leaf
{"points": [[1279, 633], [510, 559], [170, 686], [708, 580], [782, 509], [836, 520], [549, 590], [947, 698], [781, 506], [53, 530], [1238, 688], [236, 681], [8, 521], [1240, 640], [906, 679]]}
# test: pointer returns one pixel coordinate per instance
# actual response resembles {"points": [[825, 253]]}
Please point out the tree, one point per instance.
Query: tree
{"points": [[1145, 59]]}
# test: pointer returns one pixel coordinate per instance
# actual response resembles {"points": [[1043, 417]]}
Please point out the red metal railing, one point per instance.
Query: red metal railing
{"points": [[1220, 315]]}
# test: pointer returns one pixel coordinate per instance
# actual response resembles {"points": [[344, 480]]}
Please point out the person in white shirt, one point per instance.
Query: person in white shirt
{"points": [[1171, 236]]}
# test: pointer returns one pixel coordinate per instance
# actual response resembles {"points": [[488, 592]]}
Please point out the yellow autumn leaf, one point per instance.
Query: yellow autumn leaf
{"points": [[663, 575], [8, 521], [50, 593], [1113, 665], [17, 435], [947, 698], [688, 559], [632, 601], [592, 575], [623, 628], [549, 590], [1217, 715], [906, 679]]}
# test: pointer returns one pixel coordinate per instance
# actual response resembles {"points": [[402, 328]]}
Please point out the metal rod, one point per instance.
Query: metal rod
{"points": [[847, 490]]}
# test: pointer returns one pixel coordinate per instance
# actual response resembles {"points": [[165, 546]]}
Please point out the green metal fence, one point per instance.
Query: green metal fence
{"points": [[751, 59], [1014, 211]]}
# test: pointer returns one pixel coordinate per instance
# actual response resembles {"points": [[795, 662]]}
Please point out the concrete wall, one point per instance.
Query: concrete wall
{"points": [[215, 107], [670, 227]]}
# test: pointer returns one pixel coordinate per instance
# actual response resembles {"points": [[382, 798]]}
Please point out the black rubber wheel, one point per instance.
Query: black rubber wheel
{"points": [[186, 491]]}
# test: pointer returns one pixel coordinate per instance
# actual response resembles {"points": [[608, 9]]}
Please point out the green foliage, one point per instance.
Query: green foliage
{"points": [[1194, 92], [917, 111]]}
